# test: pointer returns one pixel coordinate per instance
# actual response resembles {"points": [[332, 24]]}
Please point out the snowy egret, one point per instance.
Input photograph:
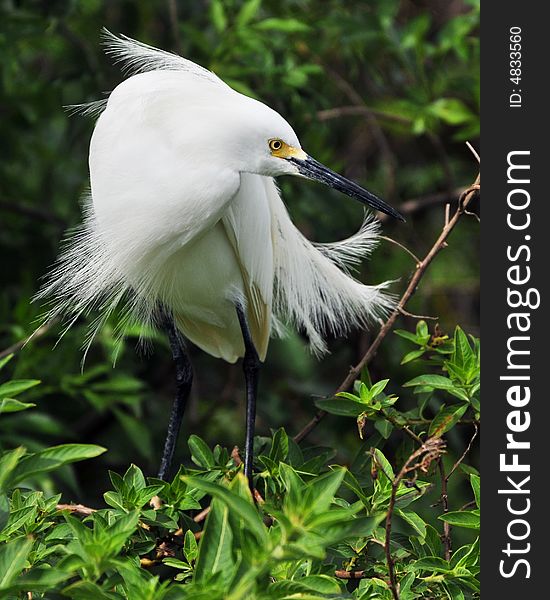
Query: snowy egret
{"points": [[185, 228]]}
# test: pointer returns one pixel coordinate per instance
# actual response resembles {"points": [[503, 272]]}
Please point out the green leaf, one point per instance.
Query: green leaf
{"points": [[8, 463], [248, 12], [13, 557], [462, 518], [378, 387], [201, 453], [86, 590], [466, 556], [431, 563], [10, 405], [414, 521], [413, 355], [384, 465], [285, 25], [321, 491], [114, 499], [218, 16], [446, 418], [215, 549], [16, 386], [279, 446], [437, 382], [39, 579], [53, 458], [244, 509], [134, 479], [451, 110], [475, 482], [190, 547], [342, 406], [384, 428], [407, 335], [4, 361], [4, 510]]}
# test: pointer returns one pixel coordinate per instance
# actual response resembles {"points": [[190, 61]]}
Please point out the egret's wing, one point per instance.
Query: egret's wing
{"points": [[313, 290], [137, 57], [248, 224]]}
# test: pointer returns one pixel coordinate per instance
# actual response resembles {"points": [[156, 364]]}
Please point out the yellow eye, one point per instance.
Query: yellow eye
{"points": [[275, 145]]}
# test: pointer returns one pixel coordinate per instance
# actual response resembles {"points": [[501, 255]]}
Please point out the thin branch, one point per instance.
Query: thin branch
{"points": [[409, 252], [202, 515], [466, 197], [446, 538], [474, 152], [343, 574], [18, 345], [415, 205], [468, 448], [406, 313], [421, 459], [77, 509], [404, 428], [32, 212]]}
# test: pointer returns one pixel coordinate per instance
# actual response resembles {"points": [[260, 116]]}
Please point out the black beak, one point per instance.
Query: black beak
{"points": [[313, 169]]}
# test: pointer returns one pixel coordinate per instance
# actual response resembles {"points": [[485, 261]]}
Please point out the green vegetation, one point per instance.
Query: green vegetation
{"points": [[315, 525]]}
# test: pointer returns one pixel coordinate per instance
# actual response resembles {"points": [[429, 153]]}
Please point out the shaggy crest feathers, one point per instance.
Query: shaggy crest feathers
{"points": [[312, 288]]}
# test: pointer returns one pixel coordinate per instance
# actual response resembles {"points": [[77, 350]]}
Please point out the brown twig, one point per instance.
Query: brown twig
{"points": [[404, 428], [236, 456], [415, 205], [36, 334], [409, 252], [468, 447], [446, 538], [77, 509], [343, 574], [420, 459], [464, 200], [406, 313], [202, 515]]}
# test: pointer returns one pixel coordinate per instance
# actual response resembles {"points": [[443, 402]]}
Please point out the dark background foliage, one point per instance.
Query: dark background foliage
{"points": [[384, 91]]}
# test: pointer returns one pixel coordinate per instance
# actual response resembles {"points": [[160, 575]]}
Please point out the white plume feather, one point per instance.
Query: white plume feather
{"points": [[312, 292]]}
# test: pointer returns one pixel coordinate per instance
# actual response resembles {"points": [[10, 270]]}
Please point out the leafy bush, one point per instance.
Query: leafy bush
{"points": [[313, 530]]}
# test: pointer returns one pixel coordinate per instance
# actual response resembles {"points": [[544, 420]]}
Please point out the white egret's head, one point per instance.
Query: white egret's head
{"points": [[273, 149]]}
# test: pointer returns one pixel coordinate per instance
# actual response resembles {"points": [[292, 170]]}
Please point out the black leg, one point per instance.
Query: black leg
{"points": [[251, 366], [184, 379]]}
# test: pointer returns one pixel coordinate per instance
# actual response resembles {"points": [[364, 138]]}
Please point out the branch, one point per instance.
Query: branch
{"points": [[38, 333], [465, 198], [457, 463], [77, 509], [343, 574], [446, 538], [431, 450]]}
